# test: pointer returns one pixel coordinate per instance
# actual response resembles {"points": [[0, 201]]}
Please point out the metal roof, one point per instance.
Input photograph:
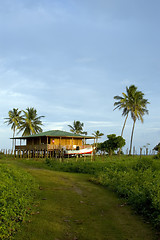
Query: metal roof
{"points": [[55, 133]]}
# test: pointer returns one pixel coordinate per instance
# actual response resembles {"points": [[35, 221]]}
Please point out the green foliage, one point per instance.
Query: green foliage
{"points": [[139, 183], [78, 167], [30, 122], [113, 143], [77, 128], [136, 179], [132, 102], [157, 156], [157, 147], [17, 189], [14, 119]]}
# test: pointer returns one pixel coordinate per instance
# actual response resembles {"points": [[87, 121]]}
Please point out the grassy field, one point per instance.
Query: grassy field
{"points": [[71, 207], [133, 178], [17, 193]]}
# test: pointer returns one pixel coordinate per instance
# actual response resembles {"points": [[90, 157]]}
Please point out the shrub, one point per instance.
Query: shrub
{"points": [[135, 179], [17, 190]]}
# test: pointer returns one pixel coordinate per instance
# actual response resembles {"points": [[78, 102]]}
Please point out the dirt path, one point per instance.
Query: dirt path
{"points": [[72, 208]]}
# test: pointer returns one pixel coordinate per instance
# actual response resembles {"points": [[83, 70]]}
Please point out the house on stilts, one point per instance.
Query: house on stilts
{"points": [[54, 143]]}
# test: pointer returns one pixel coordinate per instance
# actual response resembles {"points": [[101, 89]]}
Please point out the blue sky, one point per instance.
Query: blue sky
{"points": [[69, 58]]}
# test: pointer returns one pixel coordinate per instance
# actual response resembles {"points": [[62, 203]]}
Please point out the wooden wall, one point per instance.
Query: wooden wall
{"points": [[65, 141], [55, 141]]}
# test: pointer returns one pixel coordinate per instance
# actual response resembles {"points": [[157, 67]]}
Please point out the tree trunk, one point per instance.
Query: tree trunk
{"points": [[119, 151], [13, 141], [124, 125], [96, 143], [134, 121]]}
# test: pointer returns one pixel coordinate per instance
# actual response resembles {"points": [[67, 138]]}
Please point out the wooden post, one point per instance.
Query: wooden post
{"points": [[35, 153], [94, 151], [91, 156], [140, 152], [127, 151], [47, 147], [60, 150], [134, 150], [147, 151]]}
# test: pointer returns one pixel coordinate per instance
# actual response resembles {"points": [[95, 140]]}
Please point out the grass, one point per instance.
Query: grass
{"points": [[17, 192], [71, 207]]}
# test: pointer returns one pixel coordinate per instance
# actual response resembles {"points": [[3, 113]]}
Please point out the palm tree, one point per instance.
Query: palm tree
{"points": [[97, 134], [30, 123], [14, 120], [138, 110], [124, 103], [77, 128]]}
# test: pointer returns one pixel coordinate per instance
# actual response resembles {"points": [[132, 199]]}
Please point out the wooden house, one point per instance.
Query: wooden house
{"points": [[50, 143]]}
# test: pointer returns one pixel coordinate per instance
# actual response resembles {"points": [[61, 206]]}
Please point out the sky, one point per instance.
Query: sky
{"points": [[69, 58]]}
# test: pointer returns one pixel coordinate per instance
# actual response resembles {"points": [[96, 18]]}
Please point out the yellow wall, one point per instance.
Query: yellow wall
{"points": [[66, 141], [57, 141]]}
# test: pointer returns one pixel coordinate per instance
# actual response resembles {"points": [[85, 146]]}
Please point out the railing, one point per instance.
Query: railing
{"points": [[31, 147], [48, 147]]}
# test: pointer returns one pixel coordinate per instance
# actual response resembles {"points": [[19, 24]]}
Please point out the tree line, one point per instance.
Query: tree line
{"points": [[25, 121], [132, 102]]}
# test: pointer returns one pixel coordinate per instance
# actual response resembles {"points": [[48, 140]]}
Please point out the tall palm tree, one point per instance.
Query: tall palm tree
{"points": [[124, 103], [138, 110], [30, 123], [14, 120], [77, 128], [97, 134]]}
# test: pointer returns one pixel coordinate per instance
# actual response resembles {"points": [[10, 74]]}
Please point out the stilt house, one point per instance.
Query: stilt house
{"points": [[49, 143]]}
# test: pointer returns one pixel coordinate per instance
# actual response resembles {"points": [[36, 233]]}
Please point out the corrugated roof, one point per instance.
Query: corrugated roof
{"points": [[55, 133]]}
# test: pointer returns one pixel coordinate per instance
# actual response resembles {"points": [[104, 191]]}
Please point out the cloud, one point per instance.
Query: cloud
{"points": [[101, 124], [56, 125]]}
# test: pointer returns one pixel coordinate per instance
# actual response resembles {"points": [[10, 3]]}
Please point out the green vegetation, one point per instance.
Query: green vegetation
{"points": [[111, 144], [132, 102], [71, 207], [97, 134], [17, 191], [157, 148], [77, 128], [135, 179], [14, 119], [29, 122]]}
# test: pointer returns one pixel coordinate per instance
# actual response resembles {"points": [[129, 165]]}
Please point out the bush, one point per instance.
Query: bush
{"points": [[157, 156], [135, 179], [78, 167], [17, 190], [139, 184]]}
